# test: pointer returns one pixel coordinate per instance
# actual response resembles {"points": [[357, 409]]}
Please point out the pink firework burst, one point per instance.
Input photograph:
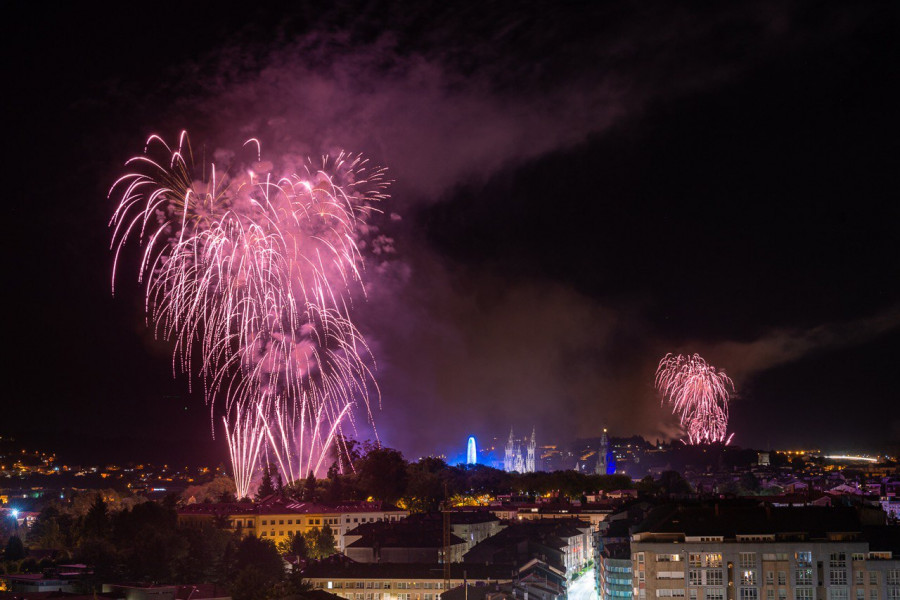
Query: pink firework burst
{"points": [[698, 394]]}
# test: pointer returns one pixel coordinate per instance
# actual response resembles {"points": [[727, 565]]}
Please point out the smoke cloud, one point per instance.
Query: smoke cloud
{"points": [[462, 349]]}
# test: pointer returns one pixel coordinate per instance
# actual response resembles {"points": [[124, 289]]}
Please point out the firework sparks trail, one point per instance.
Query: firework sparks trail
{"points": [[698, 394], [252, 268]]}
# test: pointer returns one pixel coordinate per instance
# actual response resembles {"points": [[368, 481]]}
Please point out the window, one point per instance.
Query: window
{"points": [[860, 593], [893, 594], [670, 574], [804, 559], [803, 594], [770, 578], [290, 521], [770, 594], [664, 593], [713, 559], [858, 556], [693, 593], [860, 578], [714, 577], [837, 577], [873, 594], [837, 593], [668, 558], [695, 559], [747, 560], [873, 577], [694, 577], [893, 577], [838, 559], [263, 522], [715, 594], [281, 521], [782, 594], [804, 577], [782, 578], [748, 577], [640, 558], [748, 593]]}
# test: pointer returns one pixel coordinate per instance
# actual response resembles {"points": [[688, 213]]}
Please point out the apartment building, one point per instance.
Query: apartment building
{"points": [[752, 552]]}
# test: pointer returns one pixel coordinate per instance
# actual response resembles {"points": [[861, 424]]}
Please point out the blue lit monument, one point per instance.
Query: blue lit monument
{"points": [[471, 452]]}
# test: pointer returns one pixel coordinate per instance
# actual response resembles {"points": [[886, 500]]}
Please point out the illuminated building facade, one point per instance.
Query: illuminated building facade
{"points": [[762, 553], [519, 456]]}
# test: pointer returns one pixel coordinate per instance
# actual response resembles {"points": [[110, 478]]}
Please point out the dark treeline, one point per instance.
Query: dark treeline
{"points": [[144, 543], [384, 474]]}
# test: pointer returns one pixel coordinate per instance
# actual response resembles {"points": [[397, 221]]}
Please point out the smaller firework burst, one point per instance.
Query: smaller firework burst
{"points": [[698, 393]]}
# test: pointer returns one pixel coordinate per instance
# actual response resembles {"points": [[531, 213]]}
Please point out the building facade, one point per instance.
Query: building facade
{"points": [[756, 553], [276, 518], [518, 456]]}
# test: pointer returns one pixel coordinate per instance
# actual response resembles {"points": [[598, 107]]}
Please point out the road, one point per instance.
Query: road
{"points": [[583, 587]]}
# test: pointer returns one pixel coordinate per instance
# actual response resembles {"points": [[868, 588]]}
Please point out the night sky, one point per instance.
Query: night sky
{"points": [[579, 188]]}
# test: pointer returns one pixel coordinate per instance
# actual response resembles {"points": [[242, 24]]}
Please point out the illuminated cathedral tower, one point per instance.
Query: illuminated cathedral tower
{"points": [[606, 461], [519, 457], [529, 459], [509, 460]]}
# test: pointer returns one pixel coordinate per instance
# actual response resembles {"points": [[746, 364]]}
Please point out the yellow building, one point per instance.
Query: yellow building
{"points": [[275, 518]]}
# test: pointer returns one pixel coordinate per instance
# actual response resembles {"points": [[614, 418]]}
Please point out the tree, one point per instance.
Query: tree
{"points": [[96, 521], [325, 543], [309, 488], [382, 474], [220, 488], [104, 560], [15, 550], [672, 482], [335, 487], [265, 487], [320, 542], [259, 569], [647, 485], [294, 545]]}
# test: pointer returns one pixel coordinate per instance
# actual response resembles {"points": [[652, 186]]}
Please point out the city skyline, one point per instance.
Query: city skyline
{"points": [[569, 204]]}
